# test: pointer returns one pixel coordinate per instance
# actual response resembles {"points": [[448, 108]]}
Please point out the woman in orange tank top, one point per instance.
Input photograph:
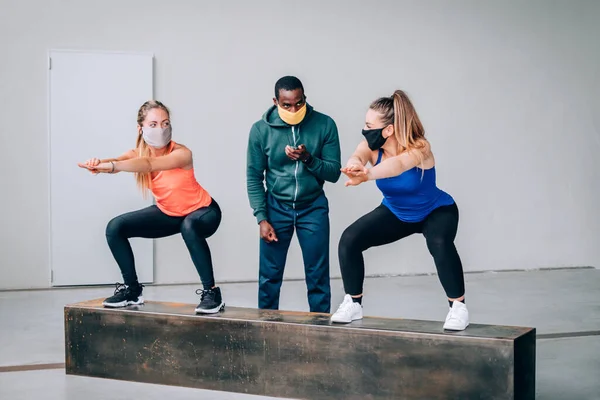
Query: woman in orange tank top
{"points": [[182, 206]]}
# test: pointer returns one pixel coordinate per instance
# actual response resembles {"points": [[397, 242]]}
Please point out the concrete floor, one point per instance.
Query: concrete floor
{"points": [[563, 305]]}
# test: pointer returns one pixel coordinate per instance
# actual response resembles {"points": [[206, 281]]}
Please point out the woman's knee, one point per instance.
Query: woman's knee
{"points": [[115, 227], [188, 228], [204, 225], [351, 240], [440, 245]]}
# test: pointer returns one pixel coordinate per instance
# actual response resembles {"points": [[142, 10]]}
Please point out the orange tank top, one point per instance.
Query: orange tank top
{"points": [[177, 192]]}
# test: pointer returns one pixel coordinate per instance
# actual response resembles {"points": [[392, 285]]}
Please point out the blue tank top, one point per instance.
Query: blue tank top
{"points": [[410, 198]]}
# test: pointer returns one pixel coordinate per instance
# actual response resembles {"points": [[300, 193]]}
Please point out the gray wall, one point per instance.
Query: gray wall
{"points": [[507, 92]]}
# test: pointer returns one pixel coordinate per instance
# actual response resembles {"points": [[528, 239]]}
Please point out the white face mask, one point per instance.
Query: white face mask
{"points": [[156, 137]]}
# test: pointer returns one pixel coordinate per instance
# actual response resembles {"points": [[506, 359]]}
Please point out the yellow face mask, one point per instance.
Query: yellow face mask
{"points": [[291, 118]]}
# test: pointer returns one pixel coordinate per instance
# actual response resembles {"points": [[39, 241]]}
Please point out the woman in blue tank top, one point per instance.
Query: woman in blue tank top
{"points": [[403, 168]]}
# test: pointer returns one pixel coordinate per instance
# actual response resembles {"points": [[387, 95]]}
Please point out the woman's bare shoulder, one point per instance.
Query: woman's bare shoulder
{"points": [[179, 146]]}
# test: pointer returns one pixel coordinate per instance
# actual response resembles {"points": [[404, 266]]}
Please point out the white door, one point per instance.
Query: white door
{"points": [[93, 98]]}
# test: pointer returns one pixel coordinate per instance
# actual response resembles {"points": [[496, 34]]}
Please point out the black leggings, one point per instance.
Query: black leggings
{"points": [[381, 226], [151, 222]]}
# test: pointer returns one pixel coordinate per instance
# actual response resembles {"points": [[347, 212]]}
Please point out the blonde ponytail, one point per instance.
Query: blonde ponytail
{"points": [[398, 110]]}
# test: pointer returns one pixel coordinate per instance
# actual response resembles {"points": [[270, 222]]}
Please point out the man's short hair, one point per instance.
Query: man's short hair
{"points": [[287, 83]]}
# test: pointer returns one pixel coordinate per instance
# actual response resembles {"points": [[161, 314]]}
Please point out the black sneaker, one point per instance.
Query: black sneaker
{"points": [[125, 296], [210, 301]]}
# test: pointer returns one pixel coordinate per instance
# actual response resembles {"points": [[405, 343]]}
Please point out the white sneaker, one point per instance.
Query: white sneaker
{"points": [[348, 311], [458, 317]]}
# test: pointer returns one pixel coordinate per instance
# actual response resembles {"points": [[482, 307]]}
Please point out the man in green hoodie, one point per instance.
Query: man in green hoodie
{"points": [[295, 149]]}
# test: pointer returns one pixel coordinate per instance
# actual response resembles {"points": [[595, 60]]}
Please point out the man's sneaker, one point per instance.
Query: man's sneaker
{"points": [[348, 311], [210, 301], [125, 296], [458, 317]]}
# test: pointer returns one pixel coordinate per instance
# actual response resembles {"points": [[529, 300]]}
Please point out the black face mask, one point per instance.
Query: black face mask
{"points": [[374, 138]]}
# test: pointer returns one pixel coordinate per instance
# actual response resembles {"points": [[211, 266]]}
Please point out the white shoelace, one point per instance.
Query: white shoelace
{"points": [[454, 315], [344, 307]]}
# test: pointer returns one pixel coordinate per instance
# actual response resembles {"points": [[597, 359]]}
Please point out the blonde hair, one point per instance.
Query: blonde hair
{"points": [[398, 110], [142, 149]]}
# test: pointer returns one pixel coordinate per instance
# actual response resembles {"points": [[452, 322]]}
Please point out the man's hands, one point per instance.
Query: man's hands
{"points": [[297, 154], [267, 233]]}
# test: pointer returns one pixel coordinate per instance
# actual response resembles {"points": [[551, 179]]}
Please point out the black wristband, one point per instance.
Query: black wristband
{"points": [[308, 160]]}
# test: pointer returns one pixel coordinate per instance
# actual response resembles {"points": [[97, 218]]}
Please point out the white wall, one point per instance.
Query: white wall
{"points": [[507, 92]]}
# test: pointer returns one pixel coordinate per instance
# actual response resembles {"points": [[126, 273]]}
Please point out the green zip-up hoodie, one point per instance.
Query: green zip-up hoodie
{"points": [[294, 183]]}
